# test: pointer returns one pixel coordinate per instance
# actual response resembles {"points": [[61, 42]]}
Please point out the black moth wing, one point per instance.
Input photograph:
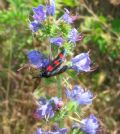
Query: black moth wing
{"points": [[56, 62], [55, 72]]}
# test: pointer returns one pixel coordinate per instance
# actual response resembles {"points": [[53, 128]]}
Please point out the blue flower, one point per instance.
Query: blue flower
{"points": [[44, 110], [47, 108], [50, 8], [39, 13], [81, 62], [34, 26], [56, 41], [90, 125], [73, 36], [37, 59], [79, 95], [66, 17]]}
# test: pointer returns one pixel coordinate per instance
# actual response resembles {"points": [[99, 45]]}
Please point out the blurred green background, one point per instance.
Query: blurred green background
{"points": [[99, 21]]}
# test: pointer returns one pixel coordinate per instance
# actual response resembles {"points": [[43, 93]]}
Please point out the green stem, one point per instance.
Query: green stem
{"points": [[59, 92], [59, 87]]}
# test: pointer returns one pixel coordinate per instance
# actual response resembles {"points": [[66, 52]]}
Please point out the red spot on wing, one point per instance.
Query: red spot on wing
{"points": [[49, 68], [56, 62], [61, 55]]}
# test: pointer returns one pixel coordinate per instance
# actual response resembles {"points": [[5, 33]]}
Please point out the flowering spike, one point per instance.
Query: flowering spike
{"points": [[49, 108]]}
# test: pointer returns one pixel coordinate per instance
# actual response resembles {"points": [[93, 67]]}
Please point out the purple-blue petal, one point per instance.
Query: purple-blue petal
{"points": [[66, 17], [45, 109], [50, 9], [63, 131], [42, 101], [59, 131], [81, 62], [34, 26], [73, 34], [80, 57], [80, 96], [73, 94], [57, 41], [38, 10], [39, 131], [90, 125], [78, 89], [85, 98], [39, 13], [36, 58]]}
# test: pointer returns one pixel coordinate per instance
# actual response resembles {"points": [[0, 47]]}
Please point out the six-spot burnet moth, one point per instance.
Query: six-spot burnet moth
{"points": [[54, 67]]}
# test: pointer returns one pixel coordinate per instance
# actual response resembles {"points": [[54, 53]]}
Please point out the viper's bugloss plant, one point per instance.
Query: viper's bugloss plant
{"points": [[60, 36]]}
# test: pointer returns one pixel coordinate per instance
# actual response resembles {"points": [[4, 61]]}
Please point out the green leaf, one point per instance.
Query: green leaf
{"points": [[116, 25]]}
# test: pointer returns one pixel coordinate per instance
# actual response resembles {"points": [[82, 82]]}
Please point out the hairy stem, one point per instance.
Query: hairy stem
{"points": [[59, 92], [59, 87]]}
